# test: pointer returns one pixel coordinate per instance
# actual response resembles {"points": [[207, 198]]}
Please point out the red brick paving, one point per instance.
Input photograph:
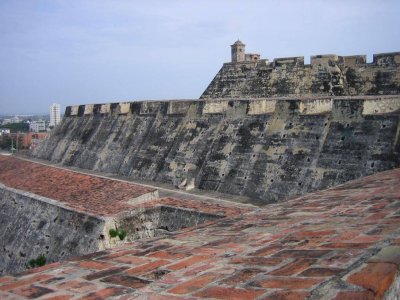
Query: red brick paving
{"points": [[357, 295], [33, 291], [346, 237], [377, 277], [106, 293], [294, 267], [91, 194], [194, 284], [60, 297], [286, 282], [217, 292], [81, 192], [147, 267], [287, 295]]}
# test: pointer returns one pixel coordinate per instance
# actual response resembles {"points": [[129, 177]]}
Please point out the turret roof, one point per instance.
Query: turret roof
{"points": [[238, 42]]}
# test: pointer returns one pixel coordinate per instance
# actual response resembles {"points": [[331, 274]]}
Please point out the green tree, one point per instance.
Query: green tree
{"points": [[17, 127]]}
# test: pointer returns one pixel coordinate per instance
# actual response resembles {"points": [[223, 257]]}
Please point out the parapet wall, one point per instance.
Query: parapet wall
{"points": [[267, 149], [371, 105], [33, 225], [325, 75]]}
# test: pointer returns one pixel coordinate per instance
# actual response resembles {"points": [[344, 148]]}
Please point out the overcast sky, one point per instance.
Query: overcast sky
{"points": [[77, 52]]}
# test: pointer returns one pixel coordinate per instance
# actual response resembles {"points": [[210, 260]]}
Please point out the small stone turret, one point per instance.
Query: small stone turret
{"points": [[238, 51], [239, 54]]}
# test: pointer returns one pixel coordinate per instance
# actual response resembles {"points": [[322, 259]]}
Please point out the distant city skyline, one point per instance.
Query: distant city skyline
{"points": [[78, 52]]}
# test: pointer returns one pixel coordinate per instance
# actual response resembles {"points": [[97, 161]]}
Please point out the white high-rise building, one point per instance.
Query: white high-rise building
{"points": [[55, 116]]}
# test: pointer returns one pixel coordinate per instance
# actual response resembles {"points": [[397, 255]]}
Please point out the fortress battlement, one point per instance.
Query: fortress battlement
{"points": [[381, 59], [370, 105], [247, 75], [239, 56]]}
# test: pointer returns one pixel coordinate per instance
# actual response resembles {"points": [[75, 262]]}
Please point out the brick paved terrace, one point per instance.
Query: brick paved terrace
{"points": [[341, 243], [81, 192]]}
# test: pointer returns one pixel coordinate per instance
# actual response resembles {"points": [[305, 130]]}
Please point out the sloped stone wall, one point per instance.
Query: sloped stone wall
{"points": [[32, 225], [267, 149]]}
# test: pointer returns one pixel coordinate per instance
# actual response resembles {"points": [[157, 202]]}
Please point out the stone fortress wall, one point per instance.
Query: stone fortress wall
{"points": [[249, 76], [33, 225], [264, 130], [267, 149]]}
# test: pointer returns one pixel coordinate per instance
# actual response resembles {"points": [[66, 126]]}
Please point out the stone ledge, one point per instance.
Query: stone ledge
{"points": [[372, 105]]}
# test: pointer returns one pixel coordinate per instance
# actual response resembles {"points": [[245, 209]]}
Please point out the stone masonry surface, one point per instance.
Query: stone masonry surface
{"points": [[325, 75], [341, 243], [33, 226], [265, 149]]}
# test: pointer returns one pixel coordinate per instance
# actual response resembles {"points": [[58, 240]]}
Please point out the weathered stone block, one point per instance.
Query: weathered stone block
{"points": [[88, 109], [260, 107], [74, 110], [123, 108], [215, 107]]}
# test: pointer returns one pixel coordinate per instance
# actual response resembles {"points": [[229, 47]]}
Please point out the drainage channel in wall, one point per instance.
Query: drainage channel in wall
{"points": [[156, 221]]}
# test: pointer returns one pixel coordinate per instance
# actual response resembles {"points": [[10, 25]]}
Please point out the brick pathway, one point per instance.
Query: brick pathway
{"points": [[342, 243], [81, 192]]}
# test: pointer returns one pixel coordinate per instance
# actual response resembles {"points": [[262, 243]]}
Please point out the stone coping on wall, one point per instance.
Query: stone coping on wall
{"points": [[379, 59], [255, 106], [341, 243]]}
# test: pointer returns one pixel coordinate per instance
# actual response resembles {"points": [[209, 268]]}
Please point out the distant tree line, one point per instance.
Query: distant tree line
{"points": [[16, 127], [8, 141]]}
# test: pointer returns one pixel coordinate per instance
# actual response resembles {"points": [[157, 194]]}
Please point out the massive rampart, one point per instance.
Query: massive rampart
{"points": [[325, 75], [268, 149]]}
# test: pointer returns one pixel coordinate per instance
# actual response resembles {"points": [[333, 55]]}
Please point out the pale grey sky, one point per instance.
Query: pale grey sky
{"points": [[77, 52]]}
